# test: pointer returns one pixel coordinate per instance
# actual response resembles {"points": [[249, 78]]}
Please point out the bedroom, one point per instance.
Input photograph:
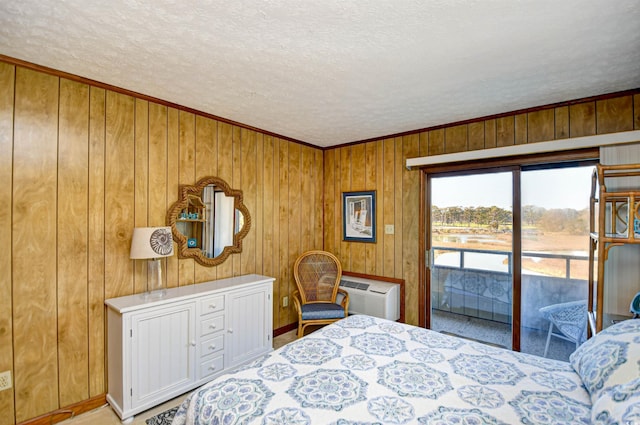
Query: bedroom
{"points": [[84, 163]]}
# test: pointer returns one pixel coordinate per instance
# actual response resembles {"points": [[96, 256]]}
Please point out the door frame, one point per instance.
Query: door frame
{"points": [[552, 159]]}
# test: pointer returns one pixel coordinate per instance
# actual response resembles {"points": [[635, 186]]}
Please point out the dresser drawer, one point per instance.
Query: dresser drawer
{"points": [[212, 366], [211, 345], [209, 326], [211, 304]]}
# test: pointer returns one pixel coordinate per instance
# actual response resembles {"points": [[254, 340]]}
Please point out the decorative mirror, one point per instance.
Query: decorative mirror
{"points": [[208, 221]]}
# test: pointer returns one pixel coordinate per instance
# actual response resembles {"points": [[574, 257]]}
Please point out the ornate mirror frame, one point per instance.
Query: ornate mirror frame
{"points": [[196, 190]]}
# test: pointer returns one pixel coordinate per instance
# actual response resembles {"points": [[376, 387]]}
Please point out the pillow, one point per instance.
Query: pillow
{"points": [[609, 358], [619, 404]]}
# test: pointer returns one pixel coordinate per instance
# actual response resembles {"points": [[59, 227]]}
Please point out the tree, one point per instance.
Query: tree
{"points": [[531, 215]]}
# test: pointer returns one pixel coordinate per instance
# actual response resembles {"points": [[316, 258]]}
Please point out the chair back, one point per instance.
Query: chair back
{"points": [[317, 274]]}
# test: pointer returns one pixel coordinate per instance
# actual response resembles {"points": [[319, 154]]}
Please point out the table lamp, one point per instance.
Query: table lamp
{"points": [[152, 243]]}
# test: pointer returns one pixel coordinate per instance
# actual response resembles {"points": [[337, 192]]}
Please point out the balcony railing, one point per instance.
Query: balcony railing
{"points": [[479, 284]]}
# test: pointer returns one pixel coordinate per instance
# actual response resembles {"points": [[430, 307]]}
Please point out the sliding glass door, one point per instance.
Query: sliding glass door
{"points": [[555, 243], [507, 256], [472, 256]]}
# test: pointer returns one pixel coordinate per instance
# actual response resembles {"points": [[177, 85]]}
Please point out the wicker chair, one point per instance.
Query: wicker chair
{"points": [[571, 320], [317, 300]]}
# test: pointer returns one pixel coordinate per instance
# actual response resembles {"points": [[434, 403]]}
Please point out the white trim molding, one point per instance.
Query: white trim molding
{"points": [[598, 140]]}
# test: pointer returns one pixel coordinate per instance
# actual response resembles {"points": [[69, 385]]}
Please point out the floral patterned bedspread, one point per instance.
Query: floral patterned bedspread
{"points": [[365, 370]]}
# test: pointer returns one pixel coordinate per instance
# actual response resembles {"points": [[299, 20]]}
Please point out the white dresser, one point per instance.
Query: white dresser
{"points": [[161, 348]]}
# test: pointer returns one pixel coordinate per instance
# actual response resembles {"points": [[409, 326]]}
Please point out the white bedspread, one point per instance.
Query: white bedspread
{"points": [[367, 370]]}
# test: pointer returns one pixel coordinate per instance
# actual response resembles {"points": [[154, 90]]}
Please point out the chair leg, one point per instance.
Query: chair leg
{"points": [[300, 330], [546, 347]]}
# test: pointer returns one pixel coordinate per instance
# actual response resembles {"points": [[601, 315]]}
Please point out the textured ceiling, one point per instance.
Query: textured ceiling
{"points": [[335, 71]]}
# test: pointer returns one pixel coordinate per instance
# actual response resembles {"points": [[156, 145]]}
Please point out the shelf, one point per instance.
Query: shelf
{"points": [[610, 212], [634, 238]]}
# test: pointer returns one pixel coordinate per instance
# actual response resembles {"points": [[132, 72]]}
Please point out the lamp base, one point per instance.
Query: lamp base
{"points": [[156, 287]]}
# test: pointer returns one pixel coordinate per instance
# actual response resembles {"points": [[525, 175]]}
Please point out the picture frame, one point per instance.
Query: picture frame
{"points": [[359, 216]]}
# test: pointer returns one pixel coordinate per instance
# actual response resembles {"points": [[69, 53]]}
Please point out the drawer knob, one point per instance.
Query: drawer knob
{"points": [[212, 347], [212, 368], [212, 326], [230, 330], [193, 343], [212, 306]]}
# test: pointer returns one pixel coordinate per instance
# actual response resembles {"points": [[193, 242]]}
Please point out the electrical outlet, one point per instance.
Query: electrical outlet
{"points": [[388, 229], [5, 380], [285, 301]]}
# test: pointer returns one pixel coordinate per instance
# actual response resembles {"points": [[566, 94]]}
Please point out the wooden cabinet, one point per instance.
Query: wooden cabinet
{"points": [[246, 325], [211, 337], [148, 333], [614, 222], [161, 348]]}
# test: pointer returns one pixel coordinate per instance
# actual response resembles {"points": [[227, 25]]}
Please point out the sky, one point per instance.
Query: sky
{"points": [[550, 189]]}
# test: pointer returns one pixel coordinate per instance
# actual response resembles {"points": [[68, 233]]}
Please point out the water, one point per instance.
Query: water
{"points": [[473, 260], [462, 239], [480, 261], [465, 238]]}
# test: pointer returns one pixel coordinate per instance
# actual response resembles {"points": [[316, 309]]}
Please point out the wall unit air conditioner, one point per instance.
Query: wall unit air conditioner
{"points": [[372, 297]]}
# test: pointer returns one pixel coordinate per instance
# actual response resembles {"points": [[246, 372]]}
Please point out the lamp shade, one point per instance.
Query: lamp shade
{"points": [[151, 242]]}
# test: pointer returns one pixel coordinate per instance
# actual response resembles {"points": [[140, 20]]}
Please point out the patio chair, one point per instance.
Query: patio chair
{"points": [[319, 300], [571, 320]]}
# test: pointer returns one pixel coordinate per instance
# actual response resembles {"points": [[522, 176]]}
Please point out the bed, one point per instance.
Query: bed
{"points": [[366, 370]]}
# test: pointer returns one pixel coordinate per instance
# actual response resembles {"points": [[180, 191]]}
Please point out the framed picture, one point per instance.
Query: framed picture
{"points": [[359, 216]]}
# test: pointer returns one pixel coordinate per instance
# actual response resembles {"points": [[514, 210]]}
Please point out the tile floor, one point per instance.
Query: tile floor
{"points": [[532, 341], [106, 416]]}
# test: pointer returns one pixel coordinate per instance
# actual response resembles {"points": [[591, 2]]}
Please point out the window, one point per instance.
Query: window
{"points": [[505, 243]]}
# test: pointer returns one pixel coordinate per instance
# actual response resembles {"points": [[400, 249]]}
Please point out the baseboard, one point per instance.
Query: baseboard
{"points": [[285, 329], [68, 412]]}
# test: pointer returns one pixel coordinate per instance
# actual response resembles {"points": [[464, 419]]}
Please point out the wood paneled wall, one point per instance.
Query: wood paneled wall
{"points": [[380, 165], [80, 167]]}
